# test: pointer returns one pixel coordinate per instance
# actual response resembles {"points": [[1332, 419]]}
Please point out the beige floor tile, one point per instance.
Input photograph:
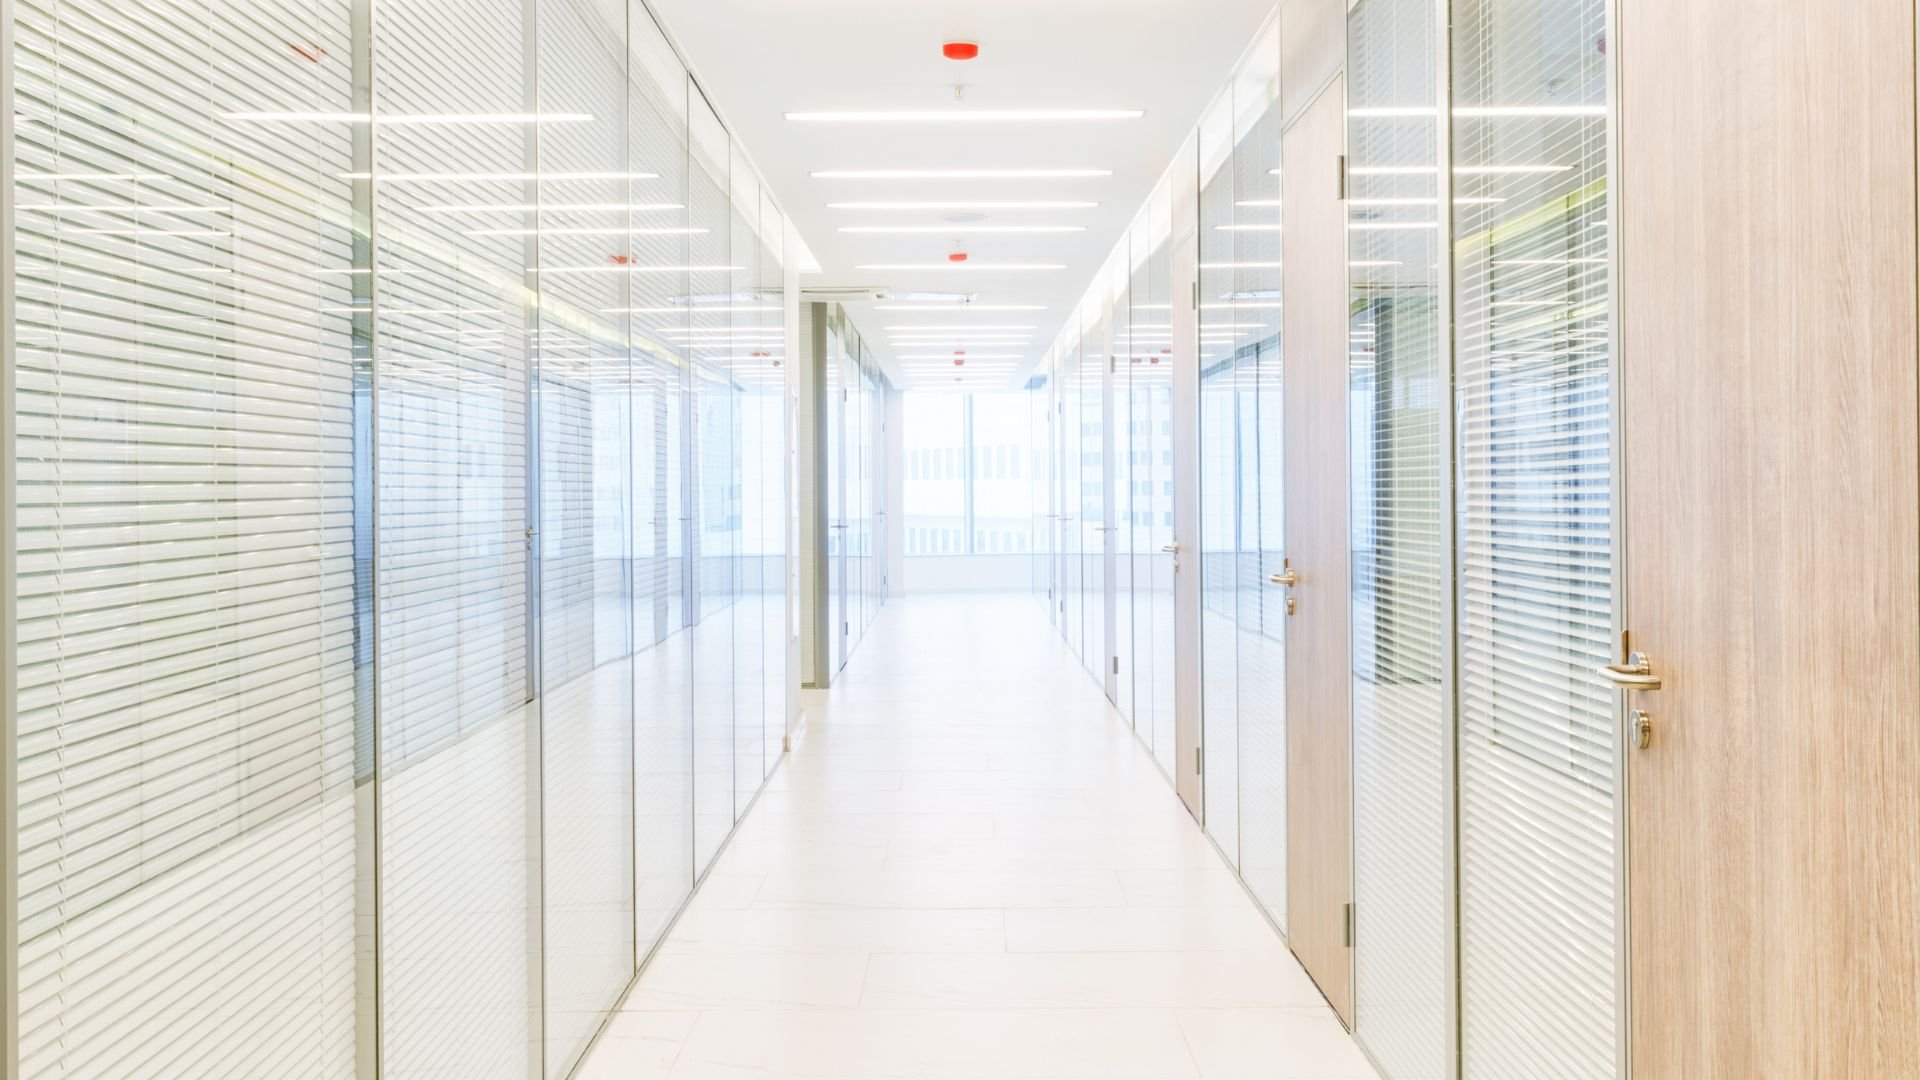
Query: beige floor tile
{"points": [[677, 980], [637, 1046], [859, 930], [1213, 979], [1284, 1044], [1075, 1044], [1142, 929], [941, 889]]}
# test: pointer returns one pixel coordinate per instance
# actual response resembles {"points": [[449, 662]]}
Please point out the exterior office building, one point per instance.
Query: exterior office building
{"points": [[706, 538]]}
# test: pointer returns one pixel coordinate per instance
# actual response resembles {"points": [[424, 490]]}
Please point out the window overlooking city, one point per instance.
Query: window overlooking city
{"points": [[969, 474]]}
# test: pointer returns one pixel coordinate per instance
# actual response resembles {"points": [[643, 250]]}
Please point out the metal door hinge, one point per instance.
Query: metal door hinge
{"points": [[1196, 296], [1199, 759], [1349, 917], [1342, 182], [1116, 665]]}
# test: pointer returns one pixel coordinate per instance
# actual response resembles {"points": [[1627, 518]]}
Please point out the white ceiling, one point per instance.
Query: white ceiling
{"points": [[761, 59]]}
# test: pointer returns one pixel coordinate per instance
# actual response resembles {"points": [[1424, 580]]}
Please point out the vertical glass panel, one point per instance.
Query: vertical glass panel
{"points": [[1219, 490], [1072, 569], [459, 747], [1157, 303], [1254, 308], [187, 640], [1092, 512], [1118, 276], [1401, 730], [657, 322], [715, 491], [1537, 767], [835, 454], [1142, 352], [859, 534], [586, 495], [744, 364], [764, 379]]}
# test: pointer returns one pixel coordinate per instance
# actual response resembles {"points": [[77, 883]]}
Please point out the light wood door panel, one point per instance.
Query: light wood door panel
{"points": [[1768, 341], [1314, 328]]}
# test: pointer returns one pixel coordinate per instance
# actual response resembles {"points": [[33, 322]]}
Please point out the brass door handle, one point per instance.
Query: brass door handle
{"points": [[1635, 674], [1285, 577]]}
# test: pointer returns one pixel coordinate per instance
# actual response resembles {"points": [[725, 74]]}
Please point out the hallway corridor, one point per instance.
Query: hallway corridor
{"points": [[967, 869]]}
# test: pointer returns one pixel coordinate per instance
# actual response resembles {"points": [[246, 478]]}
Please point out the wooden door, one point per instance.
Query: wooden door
{"points": [[1185, 397], [1313, 249], [1767, 307]]}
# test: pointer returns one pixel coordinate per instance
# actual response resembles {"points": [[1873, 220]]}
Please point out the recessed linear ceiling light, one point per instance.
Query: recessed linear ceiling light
{"points": [[549, 208], [963, 205], [965, 266], [958, 307], [959, 174], [412, 118], [970, 359], [959, 230], [976, 327], [959, 116]]}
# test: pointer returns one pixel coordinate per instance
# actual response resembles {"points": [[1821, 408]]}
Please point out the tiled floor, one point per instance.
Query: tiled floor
{"points": [[969, 870]]}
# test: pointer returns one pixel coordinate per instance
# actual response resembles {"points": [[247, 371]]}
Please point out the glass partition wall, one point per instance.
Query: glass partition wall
{"points": [[402, 528], [1485, 777]]}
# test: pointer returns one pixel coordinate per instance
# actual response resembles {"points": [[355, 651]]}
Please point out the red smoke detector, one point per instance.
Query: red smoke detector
{"points": [[960, 50], [958, 256], [959, 363]]}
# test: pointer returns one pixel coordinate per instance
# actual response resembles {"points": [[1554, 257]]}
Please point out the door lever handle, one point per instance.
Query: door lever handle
{"points": [[1285, 577], [1636, 673], [1171, 549]]}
